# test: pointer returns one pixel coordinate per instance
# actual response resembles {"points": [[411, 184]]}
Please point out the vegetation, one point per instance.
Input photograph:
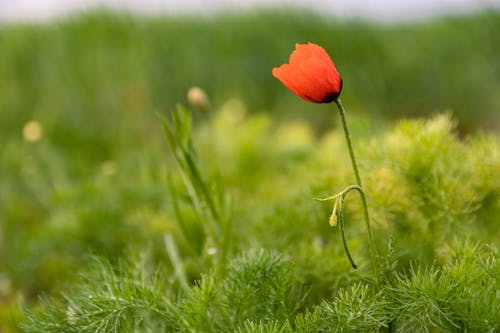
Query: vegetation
{"points": [[110, 64], [440, 269], [108, 224]]}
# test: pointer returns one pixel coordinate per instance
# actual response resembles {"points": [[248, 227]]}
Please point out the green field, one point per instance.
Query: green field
{"points": [[109, 225]]}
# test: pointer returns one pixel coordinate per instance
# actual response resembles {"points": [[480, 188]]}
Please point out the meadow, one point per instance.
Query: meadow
{"points": [[124, 208]]}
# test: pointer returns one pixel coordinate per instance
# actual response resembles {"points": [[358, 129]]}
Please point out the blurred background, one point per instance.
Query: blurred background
{"points": [[397, 59], [81, 83], [373, 9]]}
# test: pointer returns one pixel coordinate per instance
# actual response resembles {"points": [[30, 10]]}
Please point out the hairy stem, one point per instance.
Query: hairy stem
{"points": [[373, 251]]}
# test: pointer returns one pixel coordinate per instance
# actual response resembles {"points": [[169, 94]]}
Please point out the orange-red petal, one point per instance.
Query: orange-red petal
{"points": [[310, 74]]}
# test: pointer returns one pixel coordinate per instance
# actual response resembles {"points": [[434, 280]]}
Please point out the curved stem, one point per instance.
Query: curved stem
{"points": [[341, 225], [373, 251]]}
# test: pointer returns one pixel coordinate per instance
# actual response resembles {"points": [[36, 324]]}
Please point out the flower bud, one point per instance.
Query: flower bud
{"points": [[198, 98]]}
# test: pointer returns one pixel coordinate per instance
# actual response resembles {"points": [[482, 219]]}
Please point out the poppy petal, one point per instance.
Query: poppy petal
{"points": [[310, 74], [294, 79]]}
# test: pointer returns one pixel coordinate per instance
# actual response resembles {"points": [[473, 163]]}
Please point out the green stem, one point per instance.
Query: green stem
{"points": [[373, 250], [341, 225]]}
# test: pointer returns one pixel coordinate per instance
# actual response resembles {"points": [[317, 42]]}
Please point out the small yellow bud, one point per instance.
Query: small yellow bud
{"points": [[333, 217], [333, 220]]}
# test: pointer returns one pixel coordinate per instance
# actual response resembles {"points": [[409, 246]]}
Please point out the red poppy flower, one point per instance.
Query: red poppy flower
{"points": [[310, 74]]}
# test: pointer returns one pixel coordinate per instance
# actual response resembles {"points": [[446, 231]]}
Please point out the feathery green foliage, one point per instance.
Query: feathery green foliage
{"points": [[354, 309], [258, 289], [260, 293], [448, 282], [109, 299]]}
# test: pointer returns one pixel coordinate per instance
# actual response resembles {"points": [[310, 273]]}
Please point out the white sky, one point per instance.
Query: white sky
{"points": [[374, 9]]}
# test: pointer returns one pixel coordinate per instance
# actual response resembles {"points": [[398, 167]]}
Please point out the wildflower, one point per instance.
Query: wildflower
{"points": [[310, 74]]}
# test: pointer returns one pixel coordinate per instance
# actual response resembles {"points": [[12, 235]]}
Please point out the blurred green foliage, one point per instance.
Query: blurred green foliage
{"points": [[93, 175], [111, 65]]}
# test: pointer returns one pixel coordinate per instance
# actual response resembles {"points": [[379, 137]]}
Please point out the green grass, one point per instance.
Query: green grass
{"points": [[224, 214]]}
